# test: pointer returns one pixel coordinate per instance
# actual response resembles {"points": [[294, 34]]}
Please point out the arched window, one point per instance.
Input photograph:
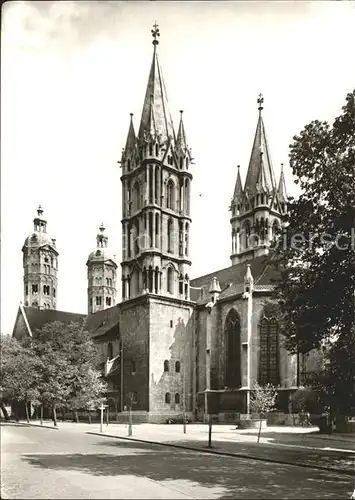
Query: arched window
{"points": [[167, 397], [156, 150], [133, 367], [177, 366], [166, 365], [177, 398], [269, 356], [246, 234], [150, 149], [181, 238], [186, 239], [128, 165], [181, 162], [170, 195], [137, 195], [108, 301], [232, 350], [109, 350], [156, 280], [157, 230], [150, 279], [181, 284], [187, 197], [170, 280], [170, 235], [275, 228], [107, 282], [151, 235], [53, 292]]}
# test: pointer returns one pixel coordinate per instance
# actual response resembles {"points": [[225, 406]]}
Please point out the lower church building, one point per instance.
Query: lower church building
{"points": [[171, 337]]}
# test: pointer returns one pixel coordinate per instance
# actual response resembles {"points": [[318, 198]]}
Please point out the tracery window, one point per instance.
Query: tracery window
{"points": [[269, 358]]}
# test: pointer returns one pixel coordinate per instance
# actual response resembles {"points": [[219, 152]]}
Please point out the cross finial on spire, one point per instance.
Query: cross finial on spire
{"points": [[260, 101], [155, 33]]}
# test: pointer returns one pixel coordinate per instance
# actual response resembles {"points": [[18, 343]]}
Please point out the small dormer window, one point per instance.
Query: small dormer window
{"points": [[46, 259], [98, 253]]}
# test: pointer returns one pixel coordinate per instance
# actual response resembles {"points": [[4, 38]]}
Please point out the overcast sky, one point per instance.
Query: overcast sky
{"points": [[72, 72]]}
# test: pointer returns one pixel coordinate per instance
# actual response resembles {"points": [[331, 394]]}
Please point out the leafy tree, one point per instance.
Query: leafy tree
{"points": [[88, 395], [336, 383], [315, 254], [20, 373], [262, 400], [69, 357]]}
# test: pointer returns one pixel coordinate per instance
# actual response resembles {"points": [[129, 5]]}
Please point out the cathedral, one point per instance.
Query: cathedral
{"points": [[172, 338]]}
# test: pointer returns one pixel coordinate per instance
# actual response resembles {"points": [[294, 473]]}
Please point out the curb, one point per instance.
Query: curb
{"points": [[227, 454], [31, 425]]}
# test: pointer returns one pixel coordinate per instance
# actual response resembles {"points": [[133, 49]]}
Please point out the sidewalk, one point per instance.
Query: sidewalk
{"points": [[292, 445]]}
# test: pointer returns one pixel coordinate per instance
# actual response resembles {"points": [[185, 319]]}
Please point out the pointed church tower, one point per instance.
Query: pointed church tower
{"points": [[102, 275], [40, 266], [258, 209], [155, 198]]}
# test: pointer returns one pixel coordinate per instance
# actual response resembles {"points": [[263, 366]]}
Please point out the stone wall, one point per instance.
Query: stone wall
{"points": [[134, 330], [171, 339]]}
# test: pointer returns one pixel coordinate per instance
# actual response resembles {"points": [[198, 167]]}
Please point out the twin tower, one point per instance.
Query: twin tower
{"points": [[156, 181]]}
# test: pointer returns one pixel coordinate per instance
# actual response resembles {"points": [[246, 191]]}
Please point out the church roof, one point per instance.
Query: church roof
{"points": [[98, 324], [156, 118], [231, 278], [260, 175], [37, 318], [104, 322]]}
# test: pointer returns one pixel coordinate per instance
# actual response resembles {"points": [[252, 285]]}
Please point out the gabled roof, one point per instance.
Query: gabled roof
{"points": [[37, 318], [260, 175], [156, 117], [231, 278]]}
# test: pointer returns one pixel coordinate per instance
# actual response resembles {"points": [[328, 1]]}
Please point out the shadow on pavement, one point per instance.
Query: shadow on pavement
{"points": [[225, 477]]}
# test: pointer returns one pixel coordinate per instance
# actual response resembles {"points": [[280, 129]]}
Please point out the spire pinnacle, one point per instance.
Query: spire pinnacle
{"points": [[155, 34], [181, 136], [238, 189], [260, 101], [282, 185]]}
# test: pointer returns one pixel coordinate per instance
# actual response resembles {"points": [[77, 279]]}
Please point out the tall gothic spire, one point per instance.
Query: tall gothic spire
{"points": [[260, 176], [156, 118]]}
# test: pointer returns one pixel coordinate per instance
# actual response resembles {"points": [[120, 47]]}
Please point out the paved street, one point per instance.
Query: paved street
{"points": [[69, 463]]}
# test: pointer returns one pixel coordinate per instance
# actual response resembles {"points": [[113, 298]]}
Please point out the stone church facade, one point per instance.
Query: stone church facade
{"points": [[171, 337]]}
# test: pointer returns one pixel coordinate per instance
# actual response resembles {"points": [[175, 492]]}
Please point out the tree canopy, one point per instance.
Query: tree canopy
{"points": [[57, 366], [315, 254]]}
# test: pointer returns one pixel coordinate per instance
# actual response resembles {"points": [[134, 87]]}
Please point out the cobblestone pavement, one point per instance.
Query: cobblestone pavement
{"points": [[69, 463]]}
